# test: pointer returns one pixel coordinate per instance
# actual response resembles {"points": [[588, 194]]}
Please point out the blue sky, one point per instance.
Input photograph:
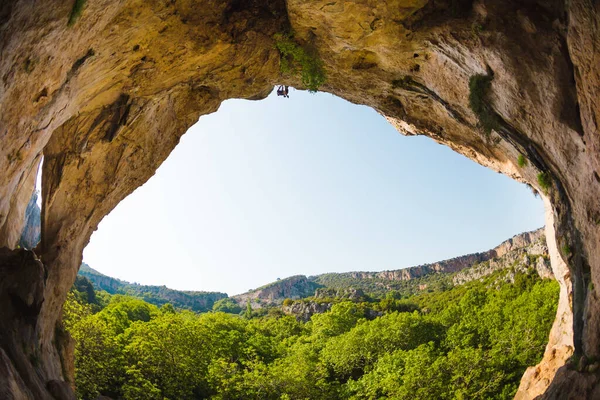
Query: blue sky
{"points": [[266, 189]]}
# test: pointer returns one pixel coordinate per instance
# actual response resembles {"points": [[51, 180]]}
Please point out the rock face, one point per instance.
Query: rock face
{"points": [[521, 241], [32, 230], [304, 310], [520, 252], [105, 96], [294, 287], [352, 294], [350, 285], [21, 297]]}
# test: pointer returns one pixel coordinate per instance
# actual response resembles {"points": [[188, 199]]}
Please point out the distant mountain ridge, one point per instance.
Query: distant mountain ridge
{"points": [[407, 280], [158, 295], [521, 252], [447, 266]]}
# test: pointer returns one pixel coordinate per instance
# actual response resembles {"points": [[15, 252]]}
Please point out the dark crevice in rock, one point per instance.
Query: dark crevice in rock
{"points": [[111, 119], [28, 312], [436, 13], [5, 12], [268, 17], [569, 111], [77, 64], [43, 93], [395, 107], [120, 112]]}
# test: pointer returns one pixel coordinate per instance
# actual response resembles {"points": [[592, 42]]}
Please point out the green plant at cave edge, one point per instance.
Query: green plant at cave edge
{"points": [[294, 57], [566, 249], [544, 180], [479, 86], [521, 161], [76, 11]]}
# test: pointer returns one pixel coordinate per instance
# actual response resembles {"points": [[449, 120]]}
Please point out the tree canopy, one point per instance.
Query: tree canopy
{"points": [[469, 342]]}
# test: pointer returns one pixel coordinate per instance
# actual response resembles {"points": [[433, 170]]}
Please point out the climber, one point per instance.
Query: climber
{"points": [[285, 92], [280, 91]]}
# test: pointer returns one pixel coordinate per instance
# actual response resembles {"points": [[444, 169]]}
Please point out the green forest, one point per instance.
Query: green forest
{"points": [[468, 342]]}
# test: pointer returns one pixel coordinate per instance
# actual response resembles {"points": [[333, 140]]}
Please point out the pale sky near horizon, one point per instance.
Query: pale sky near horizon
{"points": [[267, 189]]}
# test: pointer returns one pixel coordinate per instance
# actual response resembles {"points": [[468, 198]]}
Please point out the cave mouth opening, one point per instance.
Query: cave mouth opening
{"points": [[251, 173], [261, 190]]}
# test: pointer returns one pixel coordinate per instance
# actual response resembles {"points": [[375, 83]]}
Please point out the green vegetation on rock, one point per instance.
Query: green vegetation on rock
{"points": [[227, 305], [521, 161], [479, 86], [78, 6], [296, 59], [566, 249], [545, 181]]}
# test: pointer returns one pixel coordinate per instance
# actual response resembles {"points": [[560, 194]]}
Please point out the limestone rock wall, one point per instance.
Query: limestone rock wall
{"points": [[294, 287], [304, 310], [456, 264], [104, 100]]}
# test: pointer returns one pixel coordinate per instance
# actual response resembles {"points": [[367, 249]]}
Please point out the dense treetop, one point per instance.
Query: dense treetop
{"points": [[471, 341]]}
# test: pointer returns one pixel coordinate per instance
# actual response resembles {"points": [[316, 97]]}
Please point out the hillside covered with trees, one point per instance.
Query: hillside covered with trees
{"points": [[470, 341], [157, 295]]}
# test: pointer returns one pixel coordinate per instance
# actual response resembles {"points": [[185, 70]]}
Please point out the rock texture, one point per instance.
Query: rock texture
{"points": [[294, 287], [32, 231], [303, 310], [523, 241], [520, 251], [22, 278], [105, 99]]}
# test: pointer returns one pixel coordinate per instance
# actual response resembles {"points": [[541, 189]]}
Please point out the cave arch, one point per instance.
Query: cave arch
{"points": [[105, 97], [336, 189]]}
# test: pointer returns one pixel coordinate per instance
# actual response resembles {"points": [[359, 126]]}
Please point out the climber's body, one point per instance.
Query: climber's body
{"points": [[283, 91]]}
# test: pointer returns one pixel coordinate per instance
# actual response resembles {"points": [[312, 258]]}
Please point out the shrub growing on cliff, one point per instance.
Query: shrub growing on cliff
{"points": [[566, 249], [294, 57], [521, 161], [544, 180], [479, 86], [76, 11]]}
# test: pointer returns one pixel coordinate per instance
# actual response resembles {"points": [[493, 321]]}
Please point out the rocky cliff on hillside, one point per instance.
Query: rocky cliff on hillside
{"points": [[294, 287], [375, 282], [103, 91], [351, 293], [303, 310], [519, 256], [354, 285]]}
